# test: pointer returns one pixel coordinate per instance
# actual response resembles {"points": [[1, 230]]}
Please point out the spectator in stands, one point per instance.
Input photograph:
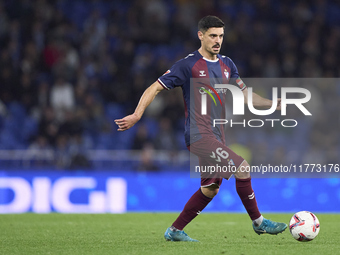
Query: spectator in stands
{"points": [[165, 138], [108, 52], [62, 97], [49, 125], [79, 152], [62, 156], [40, 152], [147, 159], [142, 138]]}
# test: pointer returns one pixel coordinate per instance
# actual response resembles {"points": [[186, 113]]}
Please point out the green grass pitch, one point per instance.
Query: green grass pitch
{"points": [[142, 233]]}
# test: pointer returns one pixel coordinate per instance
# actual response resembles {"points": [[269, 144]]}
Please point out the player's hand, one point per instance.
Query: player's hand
{"points": [[278, 107], [127, 122]]}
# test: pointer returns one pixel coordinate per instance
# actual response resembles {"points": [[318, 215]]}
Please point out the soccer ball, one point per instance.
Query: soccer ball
{"points": [[304, 226]]}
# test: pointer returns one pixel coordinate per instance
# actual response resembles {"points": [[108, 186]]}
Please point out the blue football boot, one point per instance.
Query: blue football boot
{"points": [[177, 235], [270, 227]]}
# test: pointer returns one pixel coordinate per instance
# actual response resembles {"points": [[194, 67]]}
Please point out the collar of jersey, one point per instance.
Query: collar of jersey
{"points": [[209, 60]]}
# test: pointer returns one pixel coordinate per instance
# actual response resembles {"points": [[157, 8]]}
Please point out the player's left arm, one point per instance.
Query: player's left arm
{"points": [[261, 102], [258, 101]]}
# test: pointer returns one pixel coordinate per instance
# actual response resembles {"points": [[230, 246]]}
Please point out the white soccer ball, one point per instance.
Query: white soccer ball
{"points": [[304, 226]]}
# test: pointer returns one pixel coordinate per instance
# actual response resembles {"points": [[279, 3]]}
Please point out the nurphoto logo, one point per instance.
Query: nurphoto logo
{"points": [[238, 104]]}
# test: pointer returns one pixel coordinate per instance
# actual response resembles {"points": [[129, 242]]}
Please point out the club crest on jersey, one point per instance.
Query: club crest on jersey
{"points": [[226, 73], [167, 72], [231, 162], [202, 73]]}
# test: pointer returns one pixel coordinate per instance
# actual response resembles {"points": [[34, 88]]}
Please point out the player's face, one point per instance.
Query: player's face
{"points": [[212, 40]]}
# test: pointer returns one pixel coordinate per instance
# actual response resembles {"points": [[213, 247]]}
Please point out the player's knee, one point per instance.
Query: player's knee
{"points": [[210, 191], [243, 172]]}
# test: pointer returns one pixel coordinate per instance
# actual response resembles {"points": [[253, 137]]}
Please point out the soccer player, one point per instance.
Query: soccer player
{"points": [[202, 139]]}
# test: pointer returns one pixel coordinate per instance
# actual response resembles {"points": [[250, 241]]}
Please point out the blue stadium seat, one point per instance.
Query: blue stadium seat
{"points": [[12, 125], [105, 141], [10, 141], [17, 110], [114, 111], [29, 128], [124, 140], [180, 140], [152, 126]]}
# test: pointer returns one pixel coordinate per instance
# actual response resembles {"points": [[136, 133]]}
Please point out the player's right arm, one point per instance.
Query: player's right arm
{"points": [[146, 99], [174, 77]]}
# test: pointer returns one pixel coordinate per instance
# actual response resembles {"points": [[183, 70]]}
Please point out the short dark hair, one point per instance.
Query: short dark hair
{"points": [[209, 21]]}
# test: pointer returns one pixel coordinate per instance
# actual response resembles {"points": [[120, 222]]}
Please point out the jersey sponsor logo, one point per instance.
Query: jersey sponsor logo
{"points": [[202, 73], [204, 91]]}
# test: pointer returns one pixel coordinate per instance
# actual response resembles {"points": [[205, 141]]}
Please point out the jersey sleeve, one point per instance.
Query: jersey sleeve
{"points": [[175, 76], [236, 76], [233, 69]]}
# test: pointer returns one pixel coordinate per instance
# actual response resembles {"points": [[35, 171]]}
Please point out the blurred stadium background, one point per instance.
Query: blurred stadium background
{"points": [[69, 68]]}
